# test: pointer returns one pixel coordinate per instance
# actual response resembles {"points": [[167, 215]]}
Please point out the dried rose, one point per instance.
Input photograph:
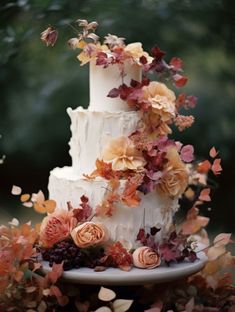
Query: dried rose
{"points": [[89, 234], [49, 36], [136, 51], [175, 178], [123, 155], [56, 226], [161, 99], [146, 258]]}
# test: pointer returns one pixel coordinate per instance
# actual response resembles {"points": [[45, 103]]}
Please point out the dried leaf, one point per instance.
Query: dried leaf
{"points": [[222, 239], [16, 190], [122, 305], [204, 167], [216, 167], [106, 294], [55, 274], [30, 289], [215, 252], [42, 306], [213, 153], [14, 222], [50, 205], [190, 305], [24, 197], [28, 204], [205, 195]]}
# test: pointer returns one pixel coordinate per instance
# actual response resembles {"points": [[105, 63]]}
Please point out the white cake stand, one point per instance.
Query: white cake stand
{"points": [[113, 276]]}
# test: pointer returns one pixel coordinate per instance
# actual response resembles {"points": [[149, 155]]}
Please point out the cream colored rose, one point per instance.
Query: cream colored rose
{"points": [[89, 234], [146, 258], [123, 155], [161, 99], [56, 226], [175, 178], [136, 51]]}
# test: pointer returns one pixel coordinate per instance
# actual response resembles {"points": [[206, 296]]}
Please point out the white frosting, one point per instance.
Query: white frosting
{"points": [[154, 210], [102, 80], [92, 131]]}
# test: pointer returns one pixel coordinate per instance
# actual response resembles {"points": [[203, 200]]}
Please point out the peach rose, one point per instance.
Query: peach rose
{"points": [[175, 179], [136, 51], [161, 99], [56, 226], [123, 155], [146, 258], [89, 234]]}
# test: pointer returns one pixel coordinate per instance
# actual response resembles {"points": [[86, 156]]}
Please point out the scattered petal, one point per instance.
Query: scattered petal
{"points": [[106, 294], [16, 190], [222, 239], [205, 195], [213, 153], [122, 305], [24, 197], [216, 167]]}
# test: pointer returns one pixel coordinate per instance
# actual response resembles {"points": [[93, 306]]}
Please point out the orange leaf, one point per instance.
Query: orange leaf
{"points": [[213, 152], [214, 252], [50, 205], [204, 167], [24, 197], [18, 276], [216, 167], [205, 195], [40, 208], [194, 225], [55, 274], [114, 183]]}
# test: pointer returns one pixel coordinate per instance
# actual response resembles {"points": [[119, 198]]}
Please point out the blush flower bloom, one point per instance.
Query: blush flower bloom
{"points": [[56, 227], [175, 178], [123, 155], [161, 99], [136, 51], [89, 234], [146, 258]]}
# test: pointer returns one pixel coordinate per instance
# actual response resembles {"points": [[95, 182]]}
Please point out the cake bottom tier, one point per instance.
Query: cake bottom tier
{"points": [[125, 223]]}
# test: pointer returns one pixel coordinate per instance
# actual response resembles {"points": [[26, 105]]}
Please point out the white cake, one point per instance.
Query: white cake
{"points": [[92, 129]]}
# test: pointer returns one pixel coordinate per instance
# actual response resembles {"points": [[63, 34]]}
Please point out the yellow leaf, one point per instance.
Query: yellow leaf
{"points": [[81, 44]]}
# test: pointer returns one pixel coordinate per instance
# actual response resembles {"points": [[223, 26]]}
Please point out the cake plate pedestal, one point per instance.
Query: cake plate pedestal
{"points": [[113, 276]]}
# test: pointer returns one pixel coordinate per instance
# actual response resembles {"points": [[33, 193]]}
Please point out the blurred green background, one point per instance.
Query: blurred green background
{"points": [[37, 84]]}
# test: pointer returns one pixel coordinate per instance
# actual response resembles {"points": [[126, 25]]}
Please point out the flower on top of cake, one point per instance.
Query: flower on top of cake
{"points": [[112, 51]]}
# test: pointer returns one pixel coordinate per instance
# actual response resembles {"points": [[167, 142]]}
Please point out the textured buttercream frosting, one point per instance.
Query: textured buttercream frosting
{"points": [[91, 133], [154, 209]]}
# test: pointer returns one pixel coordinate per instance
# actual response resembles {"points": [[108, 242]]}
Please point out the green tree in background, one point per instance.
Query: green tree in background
{"points": [[38, 83]]}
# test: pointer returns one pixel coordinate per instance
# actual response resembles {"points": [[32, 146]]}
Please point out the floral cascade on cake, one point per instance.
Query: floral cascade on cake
{"points": [[115, 204]]}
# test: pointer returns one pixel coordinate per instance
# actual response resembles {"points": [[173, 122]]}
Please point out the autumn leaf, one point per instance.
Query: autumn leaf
{"points": [[205, 195], [213, 153], [130, 195], [216, 167], [56, 272], [222, 239], [204, 167]]}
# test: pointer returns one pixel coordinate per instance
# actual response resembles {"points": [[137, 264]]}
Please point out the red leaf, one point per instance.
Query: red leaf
{"points": [[213, 152], [114, 93], [216, 167], [157, 53], [180, 80], [205, 195], [143, 60], [176, 63]]}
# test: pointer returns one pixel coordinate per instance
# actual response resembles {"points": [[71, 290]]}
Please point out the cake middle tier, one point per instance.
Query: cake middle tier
{"points": [[125, 223], [92, 131]]}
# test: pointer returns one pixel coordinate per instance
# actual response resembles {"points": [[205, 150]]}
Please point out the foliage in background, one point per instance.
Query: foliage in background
{"points": [[38, 84]]}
